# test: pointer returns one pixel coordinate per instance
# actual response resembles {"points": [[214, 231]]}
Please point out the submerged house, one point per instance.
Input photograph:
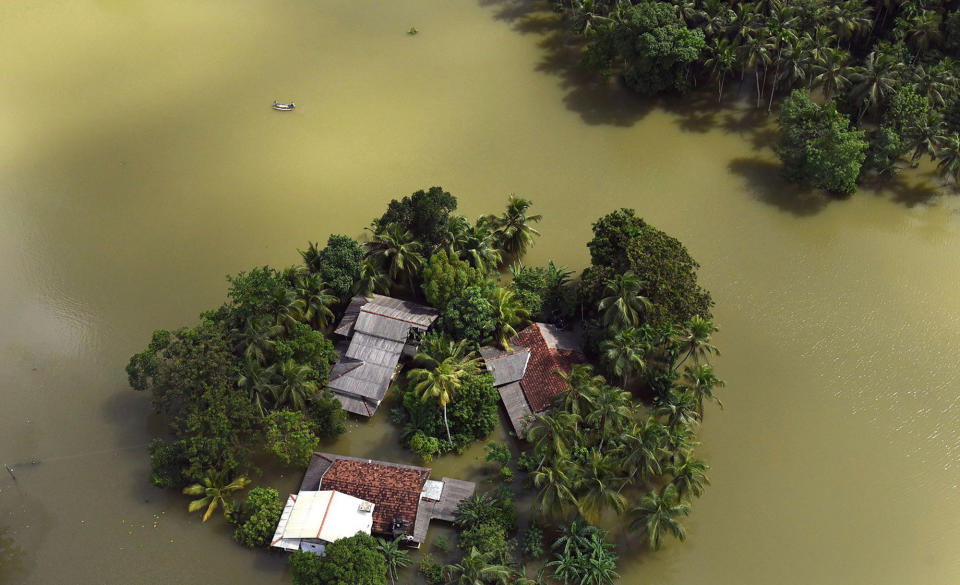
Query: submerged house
{"points": [[375, 497], [526, 376], [375, 332]]}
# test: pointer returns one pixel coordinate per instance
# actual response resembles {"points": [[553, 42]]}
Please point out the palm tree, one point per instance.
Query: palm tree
{"points": [[508, 312], [256, 337], [582, 389], [696, 340], [600, 486], [926, 135], [442, 381], [479, 247], [658, 512], [311, 257], [513, 229], [689, 475], [396, 557], [624, 303], [626, 353], [642, 448], [295, 385], [874, 80], [258, 382], [372, 280], [554, 434], [400, 252], [680, 407], [575, 538], [720, 61], [215, 493], [831, 71], [924, 30], [475, 568], [317, 300], [555, 497], [610, 413], [290, 309], [701, 380], [949, 151]]}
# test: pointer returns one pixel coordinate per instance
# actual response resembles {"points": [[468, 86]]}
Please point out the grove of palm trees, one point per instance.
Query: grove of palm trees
{"points": [[889, 69]]}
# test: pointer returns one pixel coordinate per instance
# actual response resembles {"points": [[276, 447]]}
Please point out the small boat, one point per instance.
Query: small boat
{"points": [[283, 107]]}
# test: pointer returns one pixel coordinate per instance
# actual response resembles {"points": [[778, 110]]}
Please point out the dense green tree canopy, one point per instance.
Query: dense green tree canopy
{"points": [[446, 277], [817, 145], [666, 272], [425, 214], [348, 561], [261, 513], [339, 264], [469, 316]]}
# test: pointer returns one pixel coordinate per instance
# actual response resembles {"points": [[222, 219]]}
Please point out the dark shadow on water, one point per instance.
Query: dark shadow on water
{"points": [[915, 191], [769, 187]]}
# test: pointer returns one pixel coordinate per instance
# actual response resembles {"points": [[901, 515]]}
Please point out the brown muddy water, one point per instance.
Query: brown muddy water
{"points": [[140, 163]]}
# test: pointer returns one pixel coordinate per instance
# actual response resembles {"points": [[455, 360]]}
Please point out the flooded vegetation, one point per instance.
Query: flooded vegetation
{"points": [[149, 165]]}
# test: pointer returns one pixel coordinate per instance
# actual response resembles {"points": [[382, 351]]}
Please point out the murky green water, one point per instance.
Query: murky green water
{"points": [[140, 163]]}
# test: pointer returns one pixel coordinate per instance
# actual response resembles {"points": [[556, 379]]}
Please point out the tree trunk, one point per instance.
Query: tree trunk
{"points": [[447, 425]]}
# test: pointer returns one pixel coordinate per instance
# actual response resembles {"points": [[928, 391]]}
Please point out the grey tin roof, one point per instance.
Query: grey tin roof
{"points": [[506, 366]]}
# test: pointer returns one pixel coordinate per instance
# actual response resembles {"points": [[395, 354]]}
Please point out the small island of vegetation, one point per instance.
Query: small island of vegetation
{"points": [[616, 443]]}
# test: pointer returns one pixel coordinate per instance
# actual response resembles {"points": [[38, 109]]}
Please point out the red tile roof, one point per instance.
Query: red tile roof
{"points": [[395, 490], [540, 383]]}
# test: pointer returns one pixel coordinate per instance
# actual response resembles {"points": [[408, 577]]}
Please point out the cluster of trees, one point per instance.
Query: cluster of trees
{"points": [[888, 71], [358, 560], [422, 250]]}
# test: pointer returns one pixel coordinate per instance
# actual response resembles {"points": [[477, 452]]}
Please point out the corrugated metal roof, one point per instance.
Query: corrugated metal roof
{"points": [[506, 366], [324, 515], [518, 410]]}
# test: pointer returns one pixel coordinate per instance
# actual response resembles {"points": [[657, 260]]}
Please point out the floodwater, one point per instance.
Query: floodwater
{"points": [[140, 163]]}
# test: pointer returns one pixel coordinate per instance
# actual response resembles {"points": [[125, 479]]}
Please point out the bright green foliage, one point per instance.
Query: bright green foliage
{"points": [[395, 557], [309, 347], [656, 46], [353, 561], [906, 111], [469, 316], [533, 542], [817, 146], [488, 508], [584, 556], [446, 277], [289, 437], [477, 568], [508, 315], [486, 537], [215, 492], [425, 214], [430, 569], [328, 417], [255, 293], [472, 415], [545, 292], [167, 461], [513, 230], [659, 512], [262, 511], [304, 568], [498, 453], [665, 270], [885, 151], [340, 264]]}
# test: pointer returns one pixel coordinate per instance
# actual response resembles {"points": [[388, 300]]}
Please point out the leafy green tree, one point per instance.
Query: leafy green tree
{"points": [[555, 497], [316, 298], [262, 511], [469, 316], [372, 280], [258, 382], [479, 246], [498, 453], [289, 437], [513, 230], [584, 556], [425, 214], [488, 538], [473, 414], [624, 305], [340, 264], [668, 274], [949, 164], [656, 46], [353, 561], [327, 414], [295, 385], [446, 277], [442, 382], [395, 557], [215, 491], [304, 568], [659, 512], [817, 146]]}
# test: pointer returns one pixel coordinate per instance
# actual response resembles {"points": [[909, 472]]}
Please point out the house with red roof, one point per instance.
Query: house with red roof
{"points": [[527, 376], [341, 495]]}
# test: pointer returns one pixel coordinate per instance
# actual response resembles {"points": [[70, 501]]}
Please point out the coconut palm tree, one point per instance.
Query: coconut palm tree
{"points": [[610, 414], [255, 340], [599, 486], [554, 434], [317, 300], [311, 257], [555, 497], [642, 448], [396, 557], [924, 30], [476, 568], [258, 382], [949, 151], [295, 385], [679, 406], [479, 247], [215, 493], [372, 280], [659, 512], [442, 381], [721, 59], [626, 353], [582, 389], [831, 71], [623, 305], [701, 380], [689, 475], [513, 229], [290, 308], [399, 252], [926, 135], [695, 340], [508, 312], [875, 80]]}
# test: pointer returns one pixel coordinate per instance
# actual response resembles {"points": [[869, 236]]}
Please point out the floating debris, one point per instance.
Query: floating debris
{"points": [[413, 30]]}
